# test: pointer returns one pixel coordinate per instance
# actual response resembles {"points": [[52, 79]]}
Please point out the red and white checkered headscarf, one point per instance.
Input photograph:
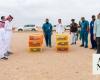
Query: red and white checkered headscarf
{"points": [[9, 17]]}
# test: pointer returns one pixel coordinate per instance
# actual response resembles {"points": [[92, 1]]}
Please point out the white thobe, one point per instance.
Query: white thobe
{"points": [[8, 35], [2, 42], [59, 28]]}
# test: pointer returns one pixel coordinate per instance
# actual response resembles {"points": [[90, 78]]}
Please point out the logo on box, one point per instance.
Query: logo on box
{"points": [[96, 64]]}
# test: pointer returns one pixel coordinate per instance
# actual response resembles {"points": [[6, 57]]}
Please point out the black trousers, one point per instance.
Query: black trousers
{"points": [[48, 39], [93, 42], [98, 45]]}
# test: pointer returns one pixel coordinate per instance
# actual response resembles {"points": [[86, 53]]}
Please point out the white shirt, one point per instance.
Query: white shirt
{"points": [[59, 28], [97, 28]]}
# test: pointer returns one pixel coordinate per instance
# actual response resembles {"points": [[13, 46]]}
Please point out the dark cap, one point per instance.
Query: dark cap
{"points": [[93, 16], [9, 17], [72, 19]]}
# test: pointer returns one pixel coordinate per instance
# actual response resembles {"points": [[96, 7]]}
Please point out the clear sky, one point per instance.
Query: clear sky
{"points": [[35, 11]]}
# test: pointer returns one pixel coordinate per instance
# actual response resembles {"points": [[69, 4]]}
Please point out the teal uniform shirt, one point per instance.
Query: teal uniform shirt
{"points": [[84, 26], [47, 28]]}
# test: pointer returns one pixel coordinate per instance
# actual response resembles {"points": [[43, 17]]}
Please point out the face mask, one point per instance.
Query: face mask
{"points": [[83, 20], [47, 22], [93, 19]]}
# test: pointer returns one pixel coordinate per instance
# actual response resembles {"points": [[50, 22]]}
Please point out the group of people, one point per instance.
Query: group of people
{"points": [[82, 29], [5, 36], [48, 30]]}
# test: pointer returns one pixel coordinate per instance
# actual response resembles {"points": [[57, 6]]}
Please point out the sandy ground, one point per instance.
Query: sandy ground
{"points": [[75, 64]]}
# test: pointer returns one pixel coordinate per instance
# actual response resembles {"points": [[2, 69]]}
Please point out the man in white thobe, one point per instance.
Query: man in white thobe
{"points": [[2, 39], [8, 33], [59, 27]]}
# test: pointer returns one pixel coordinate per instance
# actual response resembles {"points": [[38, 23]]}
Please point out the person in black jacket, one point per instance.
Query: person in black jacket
{"points": [[73, 31]]}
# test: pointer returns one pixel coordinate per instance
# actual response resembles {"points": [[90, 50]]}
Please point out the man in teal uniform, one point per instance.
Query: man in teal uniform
{"points": [[47, 30], [84, 32]]}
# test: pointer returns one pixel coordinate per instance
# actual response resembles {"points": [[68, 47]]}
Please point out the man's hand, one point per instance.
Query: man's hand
{"points": [[88, 29], [94, 36]]}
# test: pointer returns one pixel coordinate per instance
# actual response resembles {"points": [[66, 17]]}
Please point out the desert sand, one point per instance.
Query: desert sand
{"points": [[74, 64]]}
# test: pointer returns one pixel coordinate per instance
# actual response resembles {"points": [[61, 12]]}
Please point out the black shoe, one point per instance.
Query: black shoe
{"points": [[81, 45], [4, 58], [86, 46], [46, 45], [9, 53], [72, 43], [50, 46], [95, 48], [91, 48], [6, 54], [97, 53]]}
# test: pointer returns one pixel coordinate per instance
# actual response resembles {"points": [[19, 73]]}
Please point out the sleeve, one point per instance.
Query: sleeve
{"points": [[76, 26], [95, 27], [51, 27], [56, 28], [6, 25], [87, 24], [80, 23], [62, 28]]}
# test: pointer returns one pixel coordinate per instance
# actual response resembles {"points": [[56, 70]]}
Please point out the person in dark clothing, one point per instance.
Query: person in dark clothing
{"points": [[47, 30], [73, 31], [93, 42]]}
